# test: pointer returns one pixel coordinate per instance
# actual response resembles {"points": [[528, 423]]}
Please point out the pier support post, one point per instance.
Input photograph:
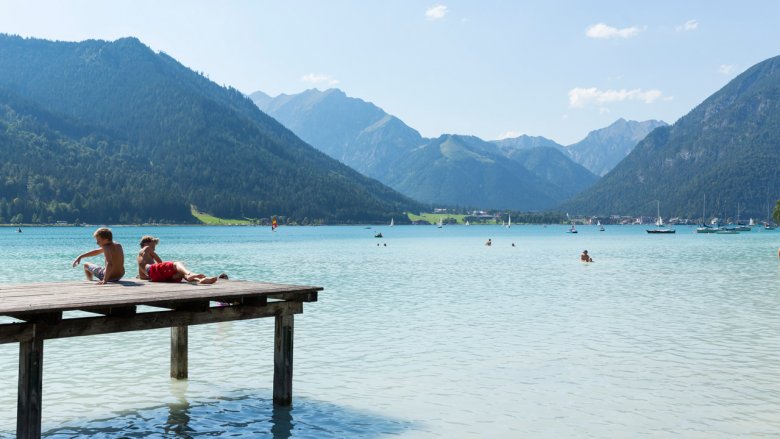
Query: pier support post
{"points": [[179, 369], [283, 359], [28, 406]]}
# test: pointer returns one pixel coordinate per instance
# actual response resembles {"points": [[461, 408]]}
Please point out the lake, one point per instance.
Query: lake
{"points": [[433, 335]]}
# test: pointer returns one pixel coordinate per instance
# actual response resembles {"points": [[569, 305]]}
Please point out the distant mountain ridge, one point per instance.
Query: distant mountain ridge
{"points": [[357, 133], [727, 148], [156, 133], [381, 146], [601, 150]]}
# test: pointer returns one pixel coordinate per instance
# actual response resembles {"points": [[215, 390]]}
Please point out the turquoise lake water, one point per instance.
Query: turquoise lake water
{"points": [[434, 335]]}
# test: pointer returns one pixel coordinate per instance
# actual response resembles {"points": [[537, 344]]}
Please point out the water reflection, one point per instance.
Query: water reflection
{"points": [[178, 421], [282, 422], [243, 415]]}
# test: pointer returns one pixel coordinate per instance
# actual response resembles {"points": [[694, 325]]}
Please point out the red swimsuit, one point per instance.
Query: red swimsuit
{"points": [[163, 272]]}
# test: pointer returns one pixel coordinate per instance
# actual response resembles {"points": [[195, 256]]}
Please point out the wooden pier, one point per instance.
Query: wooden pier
{"points": [[39, 308]]}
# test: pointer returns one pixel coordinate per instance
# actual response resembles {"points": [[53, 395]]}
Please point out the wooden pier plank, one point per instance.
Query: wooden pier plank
{"points": [[86, 295]]}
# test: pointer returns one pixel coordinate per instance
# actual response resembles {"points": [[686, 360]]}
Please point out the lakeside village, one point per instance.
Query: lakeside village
{"points": [[452, 216]]}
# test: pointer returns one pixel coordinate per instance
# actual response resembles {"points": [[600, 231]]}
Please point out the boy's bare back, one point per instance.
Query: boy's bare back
{"points": [[115, 261]]}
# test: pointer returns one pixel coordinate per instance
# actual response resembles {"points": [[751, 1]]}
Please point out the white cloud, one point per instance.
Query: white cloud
{"points": [[436, 12], [582, 97], [319, 79], [509, 135], [688, 26], [601, 30], [725, 69]]}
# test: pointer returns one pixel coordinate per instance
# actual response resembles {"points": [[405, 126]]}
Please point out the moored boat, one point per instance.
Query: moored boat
{"points": [[660, 228]]}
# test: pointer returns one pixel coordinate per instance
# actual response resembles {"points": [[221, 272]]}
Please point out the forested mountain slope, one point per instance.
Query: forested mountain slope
{"points": [[728, 148], [211, 145]]}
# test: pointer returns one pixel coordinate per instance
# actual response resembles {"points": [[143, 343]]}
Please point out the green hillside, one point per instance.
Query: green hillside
{"points": [[728, 148], [150, 129], [466, 171]]}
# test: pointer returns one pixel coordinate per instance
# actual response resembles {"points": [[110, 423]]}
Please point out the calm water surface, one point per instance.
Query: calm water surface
{"points": [[434, 335]]}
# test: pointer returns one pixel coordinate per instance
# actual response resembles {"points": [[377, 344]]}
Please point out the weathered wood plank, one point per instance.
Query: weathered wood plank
{"points": [[12, 332], [28, 405], [283, 359], [85, 295]]}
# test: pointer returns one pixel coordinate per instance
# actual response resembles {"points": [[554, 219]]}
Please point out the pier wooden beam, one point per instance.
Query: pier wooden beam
{"points": [[283, 359], [179, 358], [28, 407], [78, 327]]}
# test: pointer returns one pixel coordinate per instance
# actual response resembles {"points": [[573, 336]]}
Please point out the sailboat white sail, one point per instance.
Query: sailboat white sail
{"points": [[441, 222], [660, 223], [509, 224], [391, 222]]}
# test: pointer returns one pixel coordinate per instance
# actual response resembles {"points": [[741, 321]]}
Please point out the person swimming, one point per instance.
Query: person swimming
{"points": [[585, 257]]}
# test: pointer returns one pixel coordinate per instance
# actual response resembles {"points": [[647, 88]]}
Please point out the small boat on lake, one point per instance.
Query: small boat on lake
{"points": [[660, 228], [598, 223], [572, 229], [378, 235], [704, 228]]}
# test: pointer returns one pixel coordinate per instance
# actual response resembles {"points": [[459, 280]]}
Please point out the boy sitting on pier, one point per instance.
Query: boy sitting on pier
{"points": [[115, 258], [152, 268]]}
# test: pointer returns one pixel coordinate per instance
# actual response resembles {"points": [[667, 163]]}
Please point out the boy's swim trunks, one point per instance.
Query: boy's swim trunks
{"points": [[163, 272]]}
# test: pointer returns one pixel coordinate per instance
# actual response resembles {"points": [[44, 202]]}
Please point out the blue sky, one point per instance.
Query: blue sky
{"points": [[488, 68]]}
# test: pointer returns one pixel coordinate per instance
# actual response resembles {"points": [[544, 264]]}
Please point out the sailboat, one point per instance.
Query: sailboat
{"points": [[704, 228], [741, 228], [598, 223], [391, 222], [659, 223], [509, 224], [467, 223], [441, 222]]}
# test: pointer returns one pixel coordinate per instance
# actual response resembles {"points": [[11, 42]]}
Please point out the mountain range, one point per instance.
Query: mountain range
{"points": [[523, 173], [727, 149], [113, 132]]}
